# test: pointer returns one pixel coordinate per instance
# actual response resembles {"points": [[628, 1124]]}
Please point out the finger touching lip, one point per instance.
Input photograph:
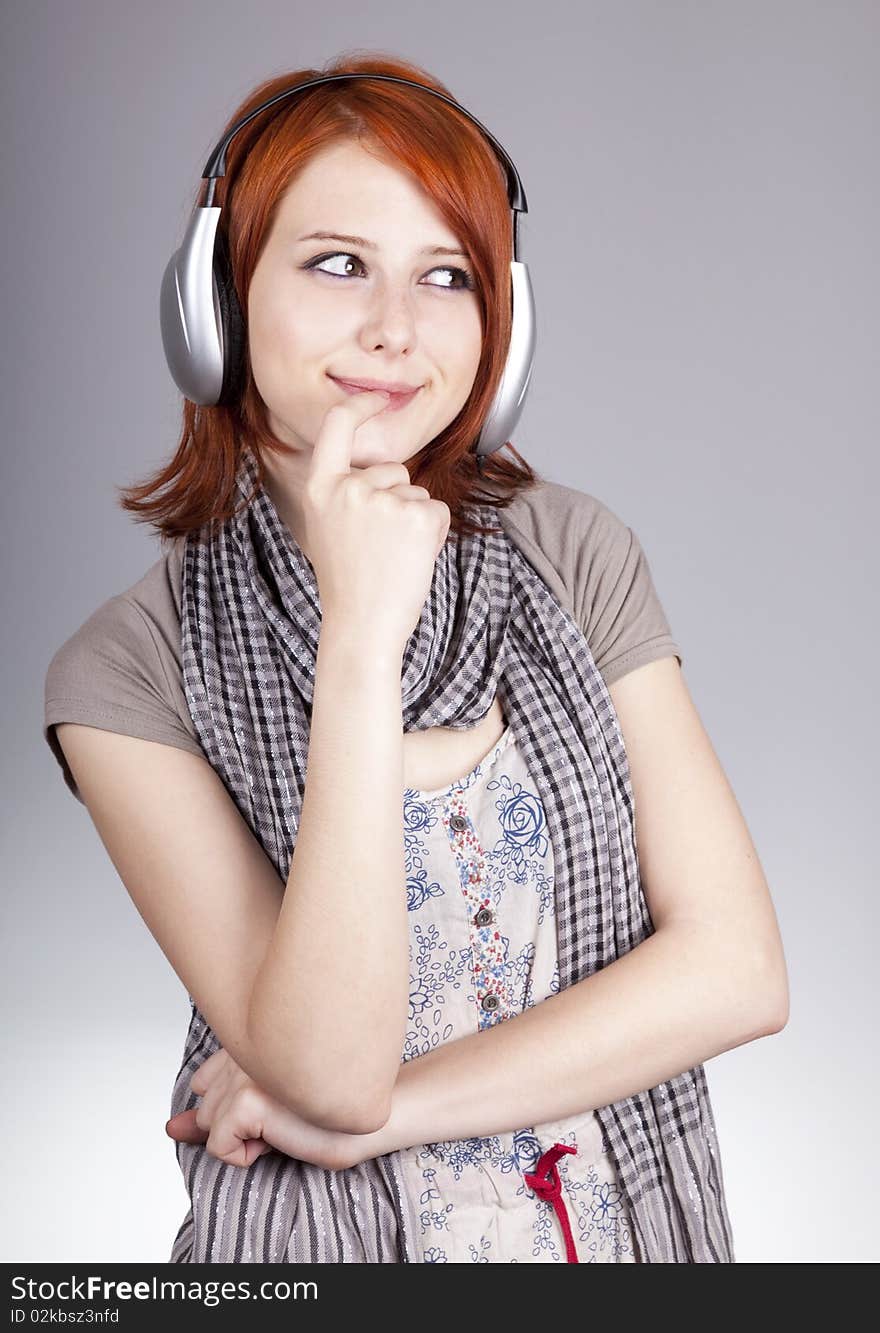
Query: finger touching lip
{"points": [[395, 400]]}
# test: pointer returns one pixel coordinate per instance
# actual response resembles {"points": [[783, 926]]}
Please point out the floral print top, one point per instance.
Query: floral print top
{"points": [[479, 868]]}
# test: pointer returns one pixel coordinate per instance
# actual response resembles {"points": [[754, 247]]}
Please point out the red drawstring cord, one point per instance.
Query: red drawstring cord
{"points": [[546, 1183]]}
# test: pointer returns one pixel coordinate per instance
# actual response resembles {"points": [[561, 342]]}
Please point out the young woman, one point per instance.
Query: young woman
{"points": [[405, 708]]}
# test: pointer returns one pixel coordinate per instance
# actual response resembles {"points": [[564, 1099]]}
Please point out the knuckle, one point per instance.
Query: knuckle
{"points": [[424, 520], [246, 1098], [355, 487]]}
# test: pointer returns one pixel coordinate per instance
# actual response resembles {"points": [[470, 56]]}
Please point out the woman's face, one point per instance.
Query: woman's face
{"points": [[382, 308]]}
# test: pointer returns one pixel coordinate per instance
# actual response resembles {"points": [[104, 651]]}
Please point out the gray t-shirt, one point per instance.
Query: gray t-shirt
{"points": [[121, 670]]}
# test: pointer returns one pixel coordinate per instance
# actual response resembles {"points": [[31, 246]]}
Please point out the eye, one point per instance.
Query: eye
{"points": [[325, 259], [463, 279], [467, 282]]}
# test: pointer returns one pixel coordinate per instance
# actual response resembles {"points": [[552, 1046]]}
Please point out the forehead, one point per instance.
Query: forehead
{"points": [[346, 188]]}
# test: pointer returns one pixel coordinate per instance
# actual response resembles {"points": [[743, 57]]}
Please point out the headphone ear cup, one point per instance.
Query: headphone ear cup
{"points": [[507, 406], [233, 336]]}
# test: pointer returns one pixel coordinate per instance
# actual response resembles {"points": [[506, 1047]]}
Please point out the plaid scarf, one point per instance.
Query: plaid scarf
{"points": [[250, 623]]}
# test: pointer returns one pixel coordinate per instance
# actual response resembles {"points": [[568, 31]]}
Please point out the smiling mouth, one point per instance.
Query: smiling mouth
{"points": [[395, 402]]}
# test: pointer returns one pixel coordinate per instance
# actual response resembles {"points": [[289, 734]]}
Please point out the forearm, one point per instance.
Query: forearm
{"points": [[671, 1003], [330, 1002]]}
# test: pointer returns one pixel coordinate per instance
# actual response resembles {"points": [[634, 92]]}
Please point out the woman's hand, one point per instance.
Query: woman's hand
{"points": [[372, 537], [238, 1121]]}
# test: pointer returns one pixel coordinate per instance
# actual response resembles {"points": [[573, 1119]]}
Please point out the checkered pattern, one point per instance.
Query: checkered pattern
{"points": [[250, 625]]}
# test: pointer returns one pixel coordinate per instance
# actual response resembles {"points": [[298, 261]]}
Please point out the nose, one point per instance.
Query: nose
{"points": [[390, 321]]}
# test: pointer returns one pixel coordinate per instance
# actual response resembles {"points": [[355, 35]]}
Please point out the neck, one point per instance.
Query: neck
{"points": [[284, 477]]}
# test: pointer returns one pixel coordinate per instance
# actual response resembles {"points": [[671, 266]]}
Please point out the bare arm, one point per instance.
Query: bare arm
{"points": [[711, 977], [329, 1005], [674, 1001]]}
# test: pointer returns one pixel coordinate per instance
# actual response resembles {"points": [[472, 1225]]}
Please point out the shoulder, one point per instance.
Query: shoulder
{"points": [[550, 524], [573, 529], [127, 630], [120, 670], [595, 564]]}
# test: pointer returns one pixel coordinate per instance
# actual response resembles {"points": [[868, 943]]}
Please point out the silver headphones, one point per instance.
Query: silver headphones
{"points": [[203, 331]]}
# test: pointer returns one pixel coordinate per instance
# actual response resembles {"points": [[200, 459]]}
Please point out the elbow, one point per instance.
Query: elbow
{"points": [[772, 985], [778, 1008], [315, 1099], [338, 1115], [361, 1119]]}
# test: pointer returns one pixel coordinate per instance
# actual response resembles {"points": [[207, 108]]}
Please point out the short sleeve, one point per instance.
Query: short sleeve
{"points": [[111, 674], [617, 604]]}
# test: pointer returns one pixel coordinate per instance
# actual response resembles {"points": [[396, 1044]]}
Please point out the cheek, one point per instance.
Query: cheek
{"points": [[471, 335], [282, 346], [277, 330], [466, 349], [282, 329], [456, 341]]}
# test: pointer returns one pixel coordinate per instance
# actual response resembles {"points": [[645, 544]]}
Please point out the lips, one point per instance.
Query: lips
{"points": [[395, 401]]}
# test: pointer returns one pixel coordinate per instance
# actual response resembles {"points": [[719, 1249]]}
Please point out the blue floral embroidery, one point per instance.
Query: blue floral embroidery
{"points": [[522, 819], [481, 911], [418, 890], [418, 816], [478, 1253]]}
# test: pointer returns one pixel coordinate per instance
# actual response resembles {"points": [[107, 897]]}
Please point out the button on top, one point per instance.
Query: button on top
{"points": [[484, 917], [458, 822], [490, 1002]]}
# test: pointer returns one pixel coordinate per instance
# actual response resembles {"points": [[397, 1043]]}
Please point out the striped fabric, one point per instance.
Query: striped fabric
{"points": [[250, 623]]}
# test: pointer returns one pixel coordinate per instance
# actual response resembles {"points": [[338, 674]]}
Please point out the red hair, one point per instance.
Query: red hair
{"points": [[454, 163]]}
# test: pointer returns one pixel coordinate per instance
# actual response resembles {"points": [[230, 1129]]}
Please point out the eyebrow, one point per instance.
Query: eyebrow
{"points": [[371, 245]]}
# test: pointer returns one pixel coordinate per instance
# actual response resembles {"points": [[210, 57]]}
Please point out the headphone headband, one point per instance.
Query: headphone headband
{"points": [[216, 163]]}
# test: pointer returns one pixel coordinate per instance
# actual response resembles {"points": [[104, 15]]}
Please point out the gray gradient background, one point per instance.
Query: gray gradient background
{"points": [[702, 239]]}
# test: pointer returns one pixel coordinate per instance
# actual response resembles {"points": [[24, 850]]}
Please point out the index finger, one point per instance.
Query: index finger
{"points": [[331, 455]]}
